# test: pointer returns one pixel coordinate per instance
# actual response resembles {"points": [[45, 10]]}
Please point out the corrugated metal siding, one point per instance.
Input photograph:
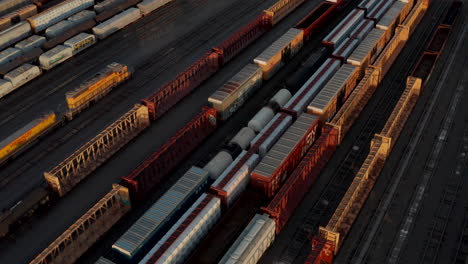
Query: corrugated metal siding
{"points": [[277, 46], [392, 14], [161, 212], [237, 81], [280, 151], [252, 242], [184, 238], [234, 92], [331, 91], [59, 12], [365, 47]]}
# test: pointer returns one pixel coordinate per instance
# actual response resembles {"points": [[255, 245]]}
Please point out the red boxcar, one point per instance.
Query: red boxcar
{"points": [[171, 93], [242, 38], [316, 19], [284, 156], [159, 164], [321, 252], [292, 192]]}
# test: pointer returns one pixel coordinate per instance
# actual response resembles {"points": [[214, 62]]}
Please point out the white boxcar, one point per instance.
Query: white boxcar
{"points": [[55, 56], [14, 34], [239, 182], [274, 57], [57, 13], [342, 30], [148, 6], [22, 74], [82, 16], [31, 43], [232, 95], [9, 55], [187, 233], [252, 242], [5, 87], [80, 42], [57, 29], [116, 23], [307, 92]]}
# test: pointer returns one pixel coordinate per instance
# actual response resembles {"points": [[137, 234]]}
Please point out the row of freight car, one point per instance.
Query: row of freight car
{"points": [[56, 20], [271, 157], [187, 137], [63, 40], [263, 228], [77, 100], [228, 48], [261, 231], [337, 229]]}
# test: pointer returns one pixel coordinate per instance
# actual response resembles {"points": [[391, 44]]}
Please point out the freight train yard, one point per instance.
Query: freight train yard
{"points": [[293, 131]]}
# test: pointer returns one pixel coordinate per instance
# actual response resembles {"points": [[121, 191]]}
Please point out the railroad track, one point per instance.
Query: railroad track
{"points": [[445, 208], [450, 191], [365, 245], [160, 60], [340, 180], [148, 72], [462, 250]]}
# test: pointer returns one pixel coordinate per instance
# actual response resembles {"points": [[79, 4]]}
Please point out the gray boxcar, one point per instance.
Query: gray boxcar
{"points": [[157, 220], [116, 23]]}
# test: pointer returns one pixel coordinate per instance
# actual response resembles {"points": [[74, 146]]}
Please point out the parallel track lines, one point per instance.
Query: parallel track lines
{"points": [[117, 97], [360, 256], [331, 195], [445, 209], [149, 64]]}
